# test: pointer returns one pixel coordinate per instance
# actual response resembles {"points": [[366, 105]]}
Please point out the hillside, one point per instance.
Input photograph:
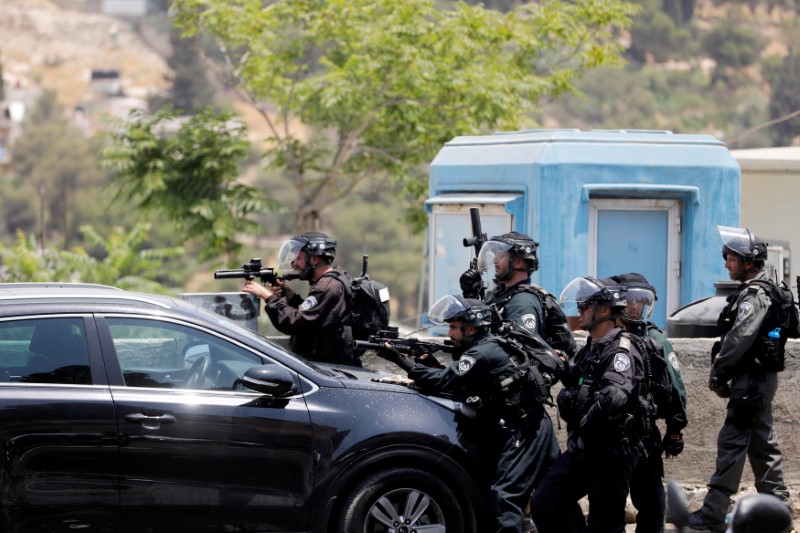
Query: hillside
{"points": [[48, 45], [58, 48]]}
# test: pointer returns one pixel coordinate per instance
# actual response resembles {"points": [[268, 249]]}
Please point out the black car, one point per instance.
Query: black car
{"points": [[123, 411]]}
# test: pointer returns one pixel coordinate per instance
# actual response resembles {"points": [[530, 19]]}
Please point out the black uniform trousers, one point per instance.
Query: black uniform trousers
{"points": [[528, 450], [647, 494], [602, 473]]}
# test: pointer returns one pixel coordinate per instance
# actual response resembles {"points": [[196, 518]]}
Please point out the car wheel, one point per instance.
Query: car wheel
{"points": [[401, 500]]}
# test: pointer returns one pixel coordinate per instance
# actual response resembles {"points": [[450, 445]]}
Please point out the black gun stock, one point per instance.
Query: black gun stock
{"points": [[252, 270], [476, 241]]}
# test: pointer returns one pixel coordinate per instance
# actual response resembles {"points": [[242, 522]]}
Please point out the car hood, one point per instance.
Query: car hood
{"points": [[376, 380]]}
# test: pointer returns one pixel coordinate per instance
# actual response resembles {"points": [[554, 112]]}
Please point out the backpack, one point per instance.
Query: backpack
{"points": [[657, 379], [538, 366], [783, 314], [555, 329], [369, 304]]}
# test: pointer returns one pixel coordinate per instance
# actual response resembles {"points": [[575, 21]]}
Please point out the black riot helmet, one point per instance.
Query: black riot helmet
{"points": [[468, 311], [584, 292], [640, 297], [743, 243], [309, 243], [516, 245]]}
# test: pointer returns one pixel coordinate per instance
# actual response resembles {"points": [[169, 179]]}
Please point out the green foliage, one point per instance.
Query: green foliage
{"points": [[733, 45], [50, 160], [771, 69], [25, 261], [785, 100], [657, 35], [188, 176], [379, 84], [374, 227], [124, 265], [658, 99]]}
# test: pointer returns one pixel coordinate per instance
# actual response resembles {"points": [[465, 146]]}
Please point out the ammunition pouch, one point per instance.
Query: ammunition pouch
{"points": [[566, 405], [771, 356]]}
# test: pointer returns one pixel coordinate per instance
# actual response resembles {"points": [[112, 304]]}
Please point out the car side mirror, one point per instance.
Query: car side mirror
{"points": [[272, 380]]}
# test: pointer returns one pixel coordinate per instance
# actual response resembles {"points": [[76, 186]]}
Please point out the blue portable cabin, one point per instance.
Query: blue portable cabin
{"points": [[598, 202]]}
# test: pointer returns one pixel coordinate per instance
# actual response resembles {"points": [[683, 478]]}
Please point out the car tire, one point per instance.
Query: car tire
{"points": [[398, 500]]}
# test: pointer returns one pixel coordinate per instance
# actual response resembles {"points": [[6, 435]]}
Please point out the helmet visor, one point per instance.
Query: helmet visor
{"points": [[288, 253], [738, 240], [446, 308], [640, 303], [492, 259], [576, 295]]}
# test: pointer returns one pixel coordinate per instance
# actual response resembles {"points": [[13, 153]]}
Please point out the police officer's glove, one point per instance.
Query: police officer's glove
{"points": [[719, 387], [390, 353], [673, 443], [591, 417], [470, 283], [427, 359]]}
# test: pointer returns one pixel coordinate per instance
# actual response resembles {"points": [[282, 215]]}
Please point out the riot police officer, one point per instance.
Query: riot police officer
{"points": [[319, 325], [737, 374], [517, 441], [665, 389], [597, 401], [505, 264]]}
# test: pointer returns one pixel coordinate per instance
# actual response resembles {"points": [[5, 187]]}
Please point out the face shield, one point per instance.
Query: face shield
{"points": [[493, 262], [446, 308], [576, 295], [288, 253], [640, 303], [738, 240]]}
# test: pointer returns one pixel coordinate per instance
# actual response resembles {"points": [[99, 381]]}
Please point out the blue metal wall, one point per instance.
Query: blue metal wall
{"points": [[558, 171]]}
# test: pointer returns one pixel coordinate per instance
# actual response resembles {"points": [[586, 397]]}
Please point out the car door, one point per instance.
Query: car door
{"points": [[199, 452], [58, 429]]}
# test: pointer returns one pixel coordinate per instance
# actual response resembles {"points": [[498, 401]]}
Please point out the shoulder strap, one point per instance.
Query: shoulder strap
{"points": [[342, 278]]}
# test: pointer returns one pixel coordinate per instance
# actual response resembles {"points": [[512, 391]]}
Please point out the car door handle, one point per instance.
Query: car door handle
{"points": [[150, 421]]}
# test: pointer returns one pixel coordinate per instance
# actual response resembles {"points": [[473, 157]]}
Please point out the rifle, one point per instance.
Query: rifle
{"points": [[409, 346], [253, 270], [476, 241]]}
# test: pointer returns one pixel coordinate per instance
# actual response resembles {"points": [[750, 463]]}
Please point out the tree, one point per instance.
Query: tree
{"points": [[124, 264], [733, 45], [188, 176], [50, 159], [353, 91], [785, 100], [656, 33], [190, 87], [2, 84]]}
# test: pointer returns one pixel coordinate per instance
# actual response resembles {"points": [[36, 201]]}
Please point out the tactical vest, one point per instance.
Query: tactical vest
{"points": [[555, 329], [762, 350]]}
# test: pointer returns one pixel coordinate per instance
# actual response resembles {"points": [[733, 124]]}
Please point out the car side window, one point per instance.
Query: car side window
{"points": [[44, 350], [155, 353]]}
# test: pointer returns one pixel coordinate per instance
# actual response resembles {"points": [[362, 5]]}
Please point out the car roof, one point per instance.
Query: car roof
{"points": [[82, 293]]}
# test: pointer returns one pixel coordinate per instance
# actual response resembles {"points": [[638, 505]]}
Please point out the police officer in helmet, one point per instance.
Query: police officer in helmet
{"points": [[597, 401], [665, 390], [739, 373], [319, 324], [505, 264], [517, 442]]}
